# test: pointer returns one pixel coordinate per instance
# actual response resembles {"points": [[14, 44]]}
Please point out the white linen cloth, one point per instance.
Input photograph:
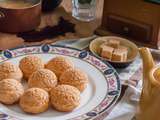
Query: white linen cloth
{"points": [[127, 106]]}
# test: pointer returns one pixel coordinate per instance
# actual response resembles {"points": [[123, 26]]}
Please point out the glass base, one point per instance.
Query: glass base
{"points": [[85, 19]]}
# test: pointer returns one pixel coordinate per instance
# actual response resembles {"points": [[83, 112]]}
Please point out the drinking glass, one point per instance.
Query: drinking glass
{"points": [[84, 10]]}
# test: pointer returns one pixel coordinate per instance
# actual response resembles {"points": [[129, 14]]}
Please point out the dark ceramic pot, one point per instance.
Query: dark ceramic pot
{"points": [[49, 5], [14, 20]]}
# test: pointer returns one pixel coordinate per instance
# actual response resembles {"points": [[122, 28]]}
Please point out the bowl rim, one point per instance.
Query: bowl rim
{"points": [[39, 2], [116, 37]]}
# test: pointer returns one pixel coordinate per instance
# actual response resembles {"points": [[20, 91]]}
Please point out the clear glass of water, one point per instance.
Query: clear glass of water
{"points": [[84, 10]]}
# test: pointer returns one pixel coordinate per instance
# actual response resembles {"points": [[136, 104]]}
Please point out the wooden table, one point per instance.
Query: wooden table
{"points": [[83, 29]]}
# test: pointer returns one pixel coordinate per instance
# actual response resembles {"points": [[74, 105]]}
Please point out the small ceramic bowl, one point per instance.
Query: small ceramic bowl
{"points": [[132, 50]]}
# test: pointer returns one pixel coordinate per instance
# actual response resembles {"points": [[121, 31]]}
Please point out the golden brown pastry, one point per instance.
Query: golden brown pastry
{"points": [[9, 70], [65, 97], [43, 78], [74, 77], [34, 100], [59, 64], [30, 64], [10, 91]]}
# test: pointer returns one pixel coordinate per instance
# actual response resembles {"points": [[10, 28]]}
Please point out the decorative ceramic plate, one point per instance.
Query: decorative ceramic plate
{"points": [[100, 95]]}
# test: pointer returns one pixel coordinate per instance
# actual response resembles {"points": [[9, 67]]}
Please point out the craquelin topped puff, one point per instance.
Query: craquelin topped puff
{"points": [[58, 80], [65, 98], [74, 77], [43, 78], [30, 64], [10, 91], [59, 64], [34, 100], [9, 70]]}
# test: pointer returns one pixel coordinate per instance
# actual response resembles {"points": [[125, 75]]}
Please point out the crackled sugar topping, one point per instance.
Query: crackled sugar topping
{"points": [[74, 77], [65, 97], [10, 91], [30, 64], [9, 70], [59, 64], [43, 78], [34, 100]]}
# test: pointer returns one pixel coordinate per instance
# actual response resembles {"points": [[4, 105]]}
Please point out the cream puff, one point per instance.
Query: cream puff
{"points": [[30, 64], [65, 98], [74, 77], [9, 70], [43, 78], [10, 91], [59, 64], [34, 100]]}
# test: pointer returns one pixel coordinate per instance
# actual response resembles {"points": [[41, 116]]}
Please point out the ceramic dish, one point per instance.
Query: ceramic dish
{"points": [[100, 95], [132, 50]]}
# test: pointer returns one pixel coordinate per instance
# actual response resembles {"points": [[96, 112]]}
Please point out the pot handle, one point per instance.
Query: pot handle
{"points": [[1, 15]]}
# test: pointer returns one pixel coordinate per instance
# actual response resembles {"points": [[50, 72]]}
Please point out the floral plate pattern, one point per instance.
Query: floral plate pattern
{"points": [[111, 76]]}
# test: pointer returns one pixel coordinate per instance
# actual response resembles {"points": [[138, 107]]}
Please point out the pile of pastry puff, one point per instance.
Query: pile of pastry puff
{"points": [[57, 82]]}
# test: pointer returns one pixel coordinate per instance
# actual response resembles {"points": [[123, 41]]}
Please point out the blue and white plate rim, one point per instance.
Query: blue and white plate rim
{"points": [[45, 48]]}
